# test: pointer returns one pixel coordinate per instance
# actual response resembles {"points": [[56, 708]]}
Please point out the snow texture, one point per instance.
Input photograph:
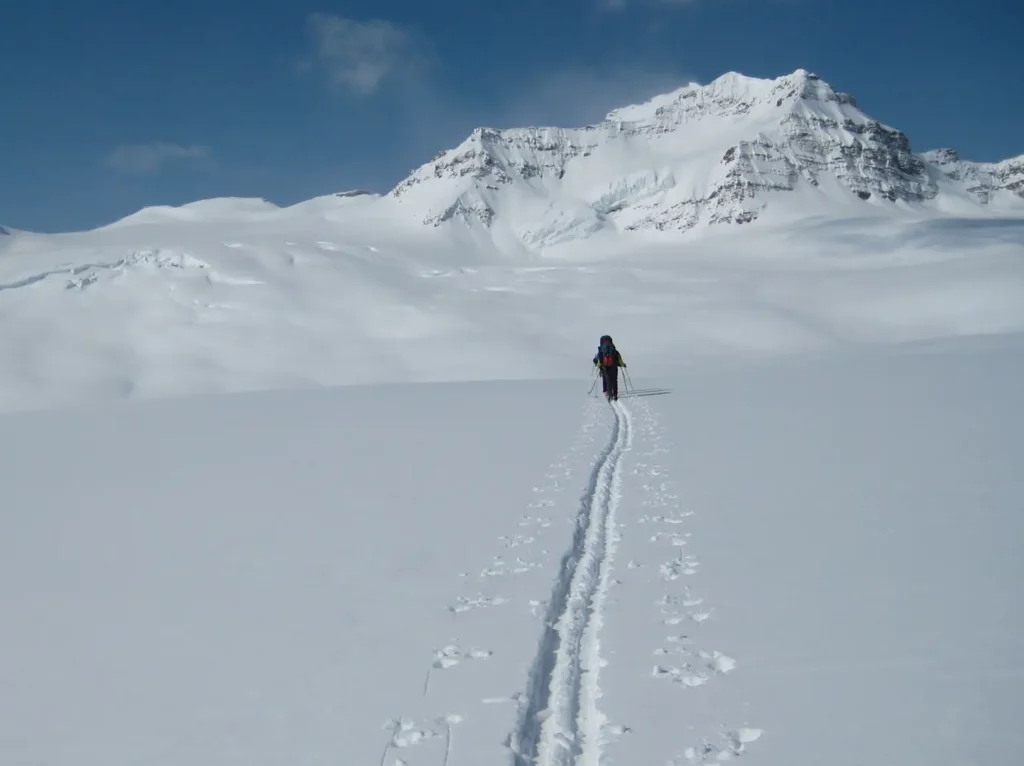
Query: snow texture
{"points": [[796, 539], [808, 561], [742, 218], [310, 297], [730, 152]]}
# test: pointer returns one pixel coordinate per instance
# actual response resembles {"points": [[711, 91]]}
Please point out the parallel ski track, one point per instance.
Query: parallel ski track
{"points": [[560, 723]]}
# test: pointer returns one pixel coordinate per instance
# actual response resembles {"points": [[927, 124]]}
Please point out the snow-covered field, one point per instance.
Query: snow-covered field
{"points": [[797, 561], [323, 485], [325, 295], [802, 545]]}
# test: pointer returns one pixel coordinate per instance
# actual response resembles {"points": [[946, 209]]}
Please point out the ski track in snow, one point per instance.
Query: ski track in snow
{"points": [[405, 732], [558, 721], [561, 723]]}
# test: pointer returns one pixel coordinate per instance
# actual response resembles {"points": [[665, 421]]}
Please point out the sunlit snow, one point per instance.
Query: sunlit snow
{"points": [[323, 484]]}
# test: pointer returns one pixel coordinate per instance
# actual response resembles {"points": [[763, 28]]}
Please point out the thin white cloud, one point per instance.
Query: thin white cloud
{"points": [[584, 96], [360, 55], [151, 157], [437, 118]]}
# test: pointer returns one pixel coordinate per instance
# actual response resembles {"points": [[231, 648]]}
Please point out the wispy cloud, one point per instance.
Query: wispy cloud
{"points": [[437, 118], [360, 55], [583, 96], [151, 157]]}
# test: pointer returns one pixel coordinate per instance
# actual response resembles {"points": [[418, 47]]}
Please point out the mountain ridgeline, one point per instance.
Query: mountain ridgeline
{"points": [[738, 151], [725, 153]]}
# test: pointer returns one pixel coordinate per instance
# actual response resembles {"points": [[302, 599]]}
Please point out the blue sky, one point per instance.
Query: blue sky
{"points": [[111, 106]]}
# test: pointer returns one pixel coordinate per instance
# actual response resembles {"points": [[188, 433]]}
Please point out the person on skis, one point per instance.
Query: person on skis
{"points": [[608, 360]]}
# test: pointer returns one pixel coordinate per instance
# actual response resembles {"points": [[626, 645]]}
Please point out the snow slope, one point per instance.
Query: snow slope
{"points": [[545, 238], [296, 298], [799, 545], [735, 151], [803, 561]]}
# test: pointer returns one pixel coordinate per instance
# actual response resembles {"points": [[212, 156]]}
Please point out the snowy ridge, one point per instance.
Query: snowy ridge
{"points": [[337, 295], [735, 151], [217, 209], [985, 181], [697, 157], [87, 274]]}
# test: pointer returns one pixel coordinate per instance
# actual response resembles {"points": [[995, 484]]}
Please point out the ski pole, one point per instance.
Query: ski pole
{"points": [[591, 391]]}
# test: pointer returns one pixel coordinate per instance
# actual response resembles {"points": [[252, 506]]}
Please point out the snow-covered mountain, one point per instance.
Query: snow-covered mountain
{"points": [[508, 256], [983, 180], [739, 150], [783, 561], [727, 152]]}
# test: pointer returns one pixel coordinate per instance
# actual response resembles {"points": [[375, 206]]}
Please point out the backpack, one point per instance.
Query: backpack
{"points": [[607, 354]]}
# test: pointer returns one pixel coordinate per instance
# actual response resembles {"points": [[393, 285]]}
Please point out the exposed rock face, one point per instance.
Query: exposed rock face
{"points": [[980, 179], [696, 157]]}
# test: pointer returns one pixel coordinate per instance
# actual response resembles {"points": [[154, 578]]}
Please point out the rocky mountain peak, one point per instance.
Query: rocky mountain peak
{"points": [[942, 156], [698, 156], [982, 180], [732, 94], [808, 86]]}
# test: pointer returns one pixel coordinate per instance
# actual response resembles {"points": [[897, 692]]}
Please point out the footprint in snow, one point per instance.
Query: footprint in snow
{"points": [[499, 568], [679, 519], [556, 476], [477, 602], [730, 745], [718, 662], [452, 655], [669, 617], [406, 733], [677, 539], [685, 676], [521, 566], [672, 570], [516, 540], [555, 487], [713, 661]]}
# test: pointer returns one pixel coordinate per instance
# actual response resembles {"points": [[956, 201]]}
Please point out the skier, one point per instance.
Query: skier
{"points": [[608, 360]]}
